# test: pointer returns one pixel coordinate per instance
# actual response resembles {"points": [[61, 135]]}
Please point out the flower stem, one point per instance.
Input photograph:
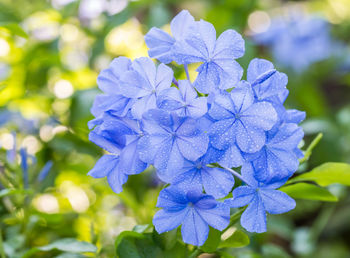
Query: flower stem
{"points": [[187, 73], [195, 253], [175, 82], [236, 174]]}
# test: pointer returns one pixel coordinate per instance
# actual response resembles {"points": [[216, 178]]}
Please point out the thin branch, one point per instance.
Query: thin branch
{"points": [[175, 82], [236, 174], [187, 73]]}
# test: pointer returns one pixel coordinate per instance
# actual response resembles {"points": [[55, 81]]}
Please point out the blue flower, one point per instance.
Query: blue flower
{"points": [[197, 175], [111, 101], [183, 101], [45, 171], [161, 44], [195, 41], [241, 120], [109, 79], [143, 83], [278, 160], [193, 210], [267, 83], [24, 166], [119, 136], [219, 68], [108, 166], [260, 198], [170, 139], [298, 42]]}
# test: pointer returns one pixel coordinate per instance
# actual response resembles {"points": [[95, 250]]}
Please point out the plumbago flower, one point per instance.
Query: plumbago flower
{"points": [[194, 210], [195, 132], [260, 198]]}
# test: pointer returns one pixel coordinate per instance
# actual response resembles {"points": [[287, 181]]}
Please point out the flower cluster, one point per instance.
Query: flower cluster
{"points": [[299, 41], [194, 133]]}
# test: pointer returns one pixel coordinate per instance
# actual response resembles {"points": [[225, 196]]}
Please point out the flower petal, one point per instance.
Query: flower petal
{"points": [[172, 199], [276, 202], [232, 157], [241, 196], [180, 24], [194, 229], [104, 166], [142, 105], [130, 162], [249, 139], [116, 179], [109, 79], [223, 134], [217, 182], [254, 217], [165, 221], [230, 45], [160, 45], [217, 217], [261, 115]]}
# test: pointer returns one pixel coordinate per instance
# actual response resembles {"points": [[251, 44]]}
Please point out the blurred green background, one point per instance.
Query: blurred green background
{"points": [[50, 55]]}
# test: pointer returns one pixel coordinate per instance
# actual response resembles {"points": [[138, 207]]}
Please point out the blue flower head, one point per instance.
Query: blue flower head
{"points": [[191, 209], [146, 117]]}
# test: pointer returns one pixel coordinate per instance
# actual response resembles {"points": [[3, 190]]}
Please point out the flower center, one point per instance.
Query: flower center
{"points": [[199, 166]]}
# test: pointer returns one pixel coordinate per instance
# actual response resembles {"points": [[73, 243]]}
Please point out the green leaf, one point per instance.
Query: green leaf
{"points": [[131, 244], [2, 249], [326, 174], [70, 245], [178, 251], [166, 240], [141, 228], [225, 255], [11, 191], [15, 29], [274, 251], [213, 241], [127, 234], [309, 192], [236, 240], [70, 255]]}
